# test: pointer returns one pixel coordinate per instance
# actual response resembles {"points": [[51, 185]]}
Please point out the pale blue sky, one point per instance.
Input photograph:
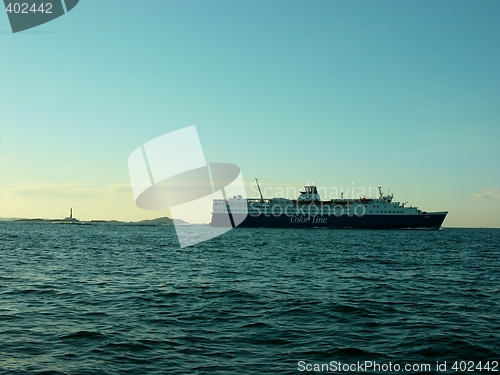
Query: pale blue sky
{"points": [[399, 93]]}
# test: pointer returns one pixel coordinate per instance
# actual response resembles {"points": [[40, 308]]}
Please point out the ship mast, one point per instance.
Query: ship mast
{"points": [[260, 192], [380, 194]]}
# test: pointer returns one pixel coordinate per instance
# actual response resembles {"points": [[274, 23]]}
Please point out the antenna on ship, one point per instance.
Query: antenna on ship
{"points": [[260, 192], [71, 213]]}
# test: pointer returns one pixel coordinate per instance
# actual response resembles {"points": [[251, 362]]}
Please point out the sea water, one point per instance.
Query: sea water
{"points": [[104, 299]]}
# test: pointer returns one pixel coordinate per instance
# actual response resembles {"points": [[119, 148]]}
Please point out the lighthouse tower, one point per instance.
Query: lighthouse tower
{"points": [[70, 218]]}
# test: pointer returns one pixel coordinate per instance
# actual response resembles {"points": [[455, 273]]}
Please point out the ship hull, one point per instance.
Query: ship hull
{"points": [[432, 220]]}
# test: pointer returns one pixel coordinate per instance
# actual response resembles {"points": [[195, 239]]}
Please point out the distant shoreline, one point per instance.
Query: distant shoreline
{"points": [[158, 221]]}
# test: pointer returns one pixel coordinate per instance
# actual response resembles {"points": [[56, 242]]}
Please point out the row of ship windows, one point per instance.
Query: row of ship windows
{"points": [[384, 212], [293, 211]]}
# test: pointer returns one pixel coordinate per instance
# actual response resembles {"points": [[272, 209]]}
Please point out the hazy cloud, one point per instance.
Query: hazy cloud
{"points": [[493, 194]]}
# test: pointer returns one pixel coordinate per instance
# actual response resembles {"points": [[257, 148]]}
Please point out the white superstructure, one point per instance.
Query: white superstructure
{"points": [[309, 203]]}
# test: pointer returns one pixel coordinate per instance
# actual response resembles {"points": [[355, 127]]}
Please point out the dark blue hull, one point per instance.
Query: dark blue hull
{"points": [[429, 220]]}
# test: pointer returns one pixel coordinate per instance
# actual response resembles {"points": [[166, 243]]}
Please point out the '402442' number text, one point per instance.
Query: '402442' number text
{"points": [[25, 8]]}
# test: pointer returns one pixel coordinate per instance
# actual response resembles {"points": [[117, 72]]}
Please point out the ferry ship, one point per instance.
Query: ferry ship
{"points": [[308, 210]]}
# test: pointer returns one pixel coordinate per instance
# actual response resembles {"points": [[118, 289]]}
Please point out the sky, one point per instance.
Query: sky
{"points": [[341, 94]]}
